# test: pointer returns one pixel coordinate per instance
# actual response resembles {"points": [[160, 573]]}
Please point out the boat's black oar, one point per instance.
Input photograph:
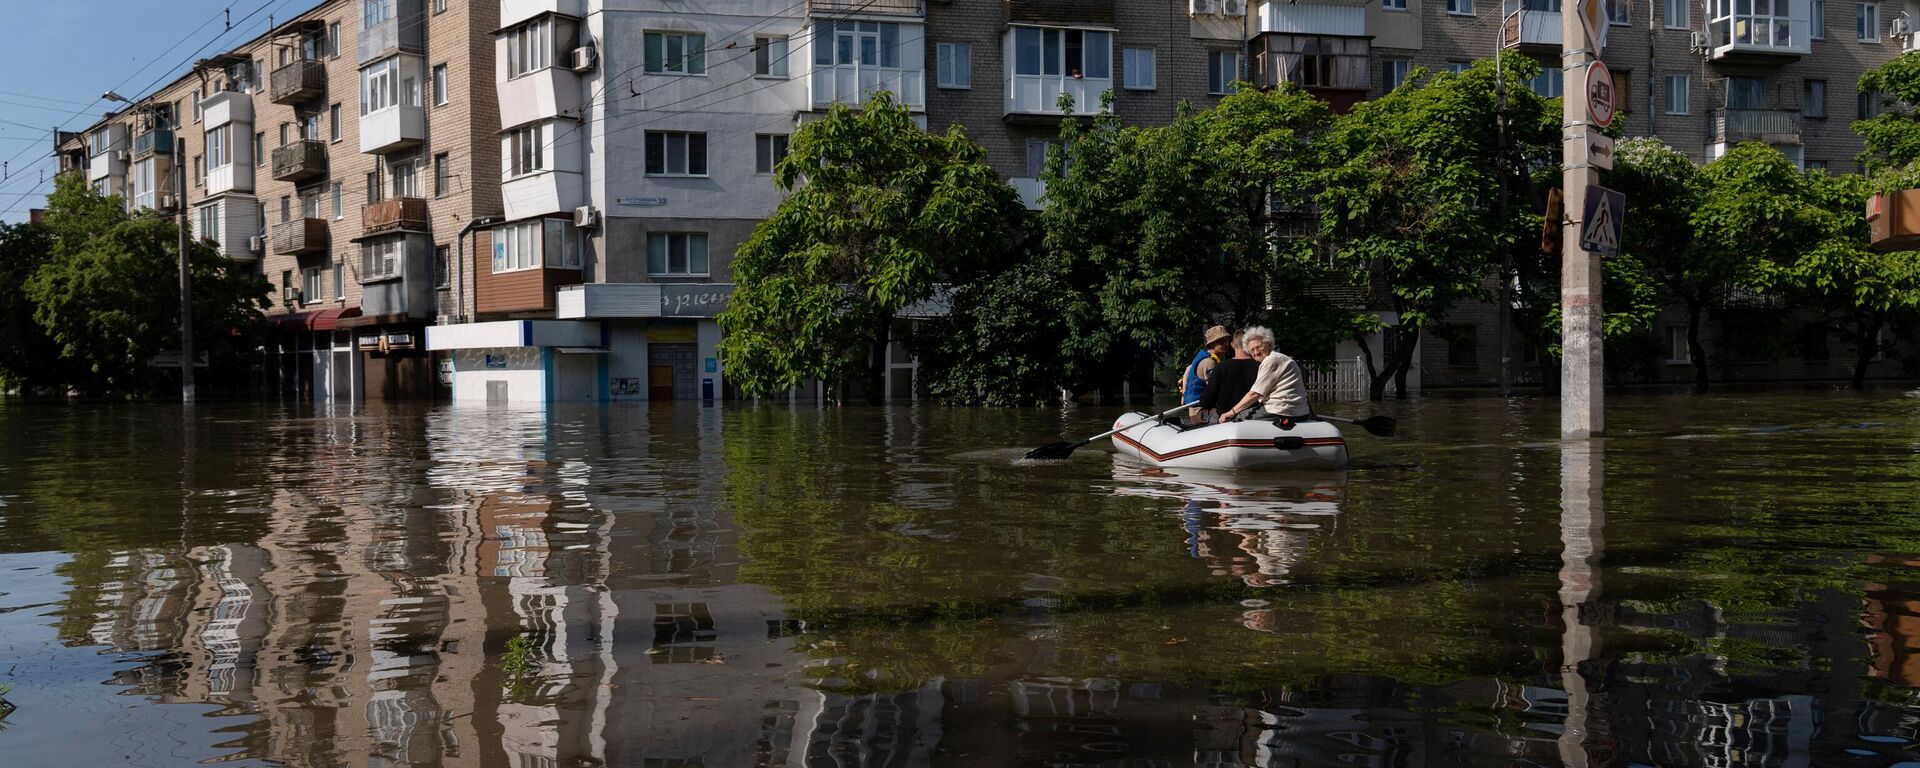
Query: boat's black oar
{"points": [[1379, 426], [1061, 450]]}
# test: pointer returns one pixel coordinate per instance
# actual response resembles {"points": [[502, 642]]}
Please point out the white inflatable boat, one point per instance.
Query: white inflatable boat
{"points": [[1234, 445]]}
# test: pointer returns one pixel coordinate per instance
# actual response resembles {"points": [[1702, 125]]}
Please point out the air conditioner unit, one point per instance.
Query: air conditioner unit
{"points": [[290, 295], [166, 202], [584, 58], [1202, 7], [586, 217], [1900, 28], [257, 243], [1700, 42], [120, 155], [1233, 7]]}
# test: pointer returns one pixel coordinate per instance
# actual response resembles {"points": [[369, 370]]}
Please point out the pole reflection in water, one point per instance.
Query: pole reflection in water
{"points": [[1583, 519]]}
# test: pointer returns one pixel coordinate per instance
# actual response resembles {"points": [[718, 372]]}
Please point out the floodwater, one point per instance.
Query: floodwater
{"points": [[1725, 581]]}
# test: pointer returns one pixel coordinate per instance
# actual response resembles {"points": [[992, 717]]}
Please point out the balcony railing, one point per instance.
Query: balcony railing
{"points": [[156, 141], [302, 80], [300, 160], [1774, 126], [393, 214], [300, 236], [881, 7]]}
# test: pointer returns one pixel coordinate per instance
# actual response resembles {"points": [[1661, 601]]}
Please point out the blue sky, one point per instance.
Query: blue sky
{"points": [[64, 53]]}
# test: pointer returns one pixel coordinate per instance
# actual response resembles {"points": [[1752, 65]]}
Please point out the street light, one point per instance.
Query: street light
{"points": [[186, 285]]}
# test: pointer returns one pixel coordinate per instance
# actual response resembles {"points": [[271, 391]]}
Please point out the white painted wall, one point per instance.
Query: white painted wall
{"points": [[521, 370], [558, 188]]}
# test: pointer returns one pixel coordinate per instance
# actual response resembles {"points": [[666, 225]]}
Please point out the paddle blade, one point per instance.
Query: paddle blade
{"points": [[1380, 426], [1052, 452]]}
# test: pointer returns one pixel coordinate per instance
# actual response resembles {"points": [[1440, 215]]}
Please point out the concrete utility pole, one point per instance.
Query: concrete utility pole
{"points": [[1582, 375], [186, 274]]}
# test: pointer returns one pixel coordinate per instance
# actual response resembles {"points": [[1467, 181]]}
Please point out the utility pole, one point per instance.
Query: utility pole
{"points": [[186, 273], [1582, 373], [1506, 250]]}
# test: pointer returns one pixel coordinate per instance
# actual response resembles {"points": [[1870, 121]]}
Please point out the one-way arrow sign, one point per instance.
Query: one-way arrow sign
{"points": [[1600, 227]]}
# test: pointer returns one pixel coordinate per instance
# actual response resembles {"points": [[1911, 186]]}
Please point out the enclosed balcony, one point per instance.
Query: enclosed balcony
{"points": [[300, 236], [300, 81], [1533, 24], [1759, 31], [157, 141], [390, 26], [853, 59], [300, 160], [394, 214], [843, 8], [1773, 126], [1051, 62], [391, 114], [1322, 18], [226, 107]]}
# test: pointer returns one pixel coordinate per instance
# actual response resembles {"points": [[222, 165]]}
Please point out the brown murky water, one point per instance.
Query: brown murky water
{"points": [[1731, 580]]}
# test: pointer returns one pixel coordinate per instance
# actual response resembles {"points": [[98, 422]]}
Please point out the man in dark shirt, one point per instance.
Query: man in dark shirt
{"points": [[1230, 381]]}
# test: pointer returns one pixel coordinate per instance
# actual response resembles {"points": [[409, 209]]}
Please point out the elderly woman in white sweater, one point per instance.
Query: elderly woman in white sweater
{"points": [[1279, 389]]}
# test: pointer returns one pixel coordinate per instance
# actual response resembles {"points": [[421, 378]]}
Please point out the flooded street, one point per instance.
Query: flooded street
{"points": [[1727, 580]]}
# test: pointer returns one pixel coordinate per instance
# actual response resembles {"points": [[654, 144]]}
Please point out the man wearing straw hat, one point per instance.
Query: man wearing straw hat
{"points": [[1217, 346]]}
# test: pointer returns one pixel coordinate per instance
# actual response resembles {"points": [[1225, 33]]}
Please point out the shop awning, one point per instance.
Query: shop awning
{"points": [[580, 350], [320, 320], [357, 320]]}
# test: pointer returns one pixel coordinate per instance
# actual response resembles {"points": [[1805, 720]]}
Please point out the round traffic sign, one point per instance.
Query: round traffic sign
{"points": [[1600, 97]]}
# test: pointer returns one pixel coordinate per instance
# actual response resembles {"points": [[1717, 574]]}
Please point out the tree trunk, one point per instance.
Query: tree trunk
{"points": [[877, 359], [1408, 347], [1394, 370], [1867, 335], [1695, 353]]}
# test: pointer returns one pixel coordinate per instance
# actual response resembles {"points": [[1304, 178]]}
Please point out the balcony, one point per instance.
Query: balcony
{"points": [[399, 213], [297, 82], [402, 31], [300, 160], [397, 127], [513, 12], [1773, 126], [1533, 29], [1050, 62], [157, 141], [300, 236], [1755, 38], [226, 107], [843, 8], [1312, 19], [852, 60]]}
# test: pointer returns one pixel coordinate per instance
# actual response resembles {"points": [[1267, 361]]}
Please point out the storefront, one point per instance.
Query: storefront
{"points": [[525, 361], [312, 358]]}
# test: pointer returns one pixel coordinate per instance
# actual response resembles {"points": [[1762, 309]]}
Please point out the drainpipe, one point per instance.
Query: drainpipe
{"points": [[460, 263]]}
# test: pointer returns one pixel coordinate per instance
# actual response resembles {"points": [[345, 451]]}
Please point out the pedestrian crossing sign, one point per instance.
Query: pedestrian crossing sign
{"points": [[1600, 227]]}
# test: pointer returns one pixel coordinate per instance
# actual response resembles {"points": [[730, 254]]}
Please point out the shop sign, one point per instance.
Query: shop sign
{"points": [[698, 300], [366, 343], [496, 361]]}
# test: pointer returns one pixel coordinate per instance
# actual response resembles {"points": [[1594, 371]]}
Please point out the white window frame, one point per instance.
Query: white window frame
{"points": [[516, 246], [1394, 73], [313, 284], [665, 244], [1140, 61], [1811, 107], [1677, 342], [374, 13], [1219, 81], [1817, 18], [682, 143], [525, 150], [953, 66], [1461, 8], [334, 132], [1393, 5], [1553, 78], [220, 147], [440, 84], [1619, 14], [382, 259], [207, 222], [560, 244], [1677, 89], [529, 47], [768, 150], [1866, 22], [693, 53], [770, 57], [1039, 42], [380, 86], [1679, 14]]}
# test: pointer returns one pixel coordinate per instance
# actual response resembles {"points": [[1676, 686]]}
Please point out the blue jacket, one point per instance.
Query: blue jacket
{"points": [[1194, 384]]}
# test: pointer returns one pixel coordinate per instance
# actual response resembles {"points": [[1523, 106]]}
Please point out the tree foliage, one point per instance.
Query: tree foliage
{"points": [[878, 212], [29, 360], [1891, 138]]}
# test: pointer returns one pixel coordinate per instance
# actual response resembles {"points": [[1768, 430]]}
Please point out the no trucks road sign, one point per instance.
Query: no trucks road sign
{"points": [[1600, 227]]}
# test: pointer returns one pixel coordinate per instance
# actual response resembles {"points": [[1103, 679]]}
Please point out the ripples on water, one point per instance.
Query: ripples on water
{"points": [[1724, 581]]}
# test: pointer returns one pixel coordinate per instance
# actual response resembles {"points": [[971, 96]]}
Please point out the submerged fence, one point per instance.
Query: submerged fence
{"points": [[1336, 380]]}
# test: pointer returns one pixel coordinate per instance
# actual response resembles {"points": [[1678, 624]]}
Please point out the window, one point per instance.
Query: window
{"points": [[1866, 105], [1458, 67], [380, 259], [439, 6], [677, 254], [672, 153], [1866, 22], [286, 280], [333, 40], [1393, 72], [526, 152], [1746, 93], [1816, 165], [374, 192], [375, 12], [380, 86], [865, 43], [206, 222], [1548, 84], [768, 150], [1680, 15], [198, 96], [1818, 14], [1223, 67], [220, 146], [339, 201], [309, 202], [286, 208], [530, 47], [1618, 12], [676, 53], [1460, 7], [310, 127], [770, 56], [339, 282], [1677, 96], [516, 246], [1677, 344], [312, 285], [260, 148], [1394, 5], [1071, 52], [439, 85], [1463, 347], [441, 182], [953, 65], [199, 170], [442, 266], [562, 244], [1813, 101], [1139, 69], [333, 122], [405, 183], [286, 130]]}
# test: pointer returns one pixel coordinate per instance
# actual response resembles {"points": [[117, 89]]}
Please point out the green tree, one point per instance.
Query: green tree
{"points": [[1405, 199], [1858, 291], [1663, 189], [1892, 138], [107, 296], [28, 359], [878, 212]]}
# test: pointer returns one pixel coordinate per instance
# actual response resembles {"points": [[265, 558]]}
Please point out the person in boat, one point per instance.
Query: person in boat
{"points": [[1231, 379], [1279, 390], [1217, 346]]}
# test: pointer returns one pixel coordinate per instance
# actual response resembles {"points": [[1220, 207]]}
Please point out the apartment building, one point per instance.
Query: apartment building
{"points": [[334, 154]]}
